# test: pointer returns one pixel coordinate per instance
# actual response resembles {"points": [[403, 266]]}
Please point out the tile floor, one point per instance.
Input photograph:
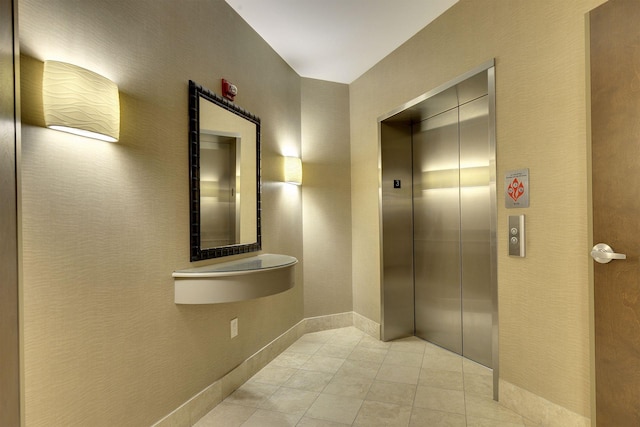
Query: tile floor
{"points": [[343, 377]]}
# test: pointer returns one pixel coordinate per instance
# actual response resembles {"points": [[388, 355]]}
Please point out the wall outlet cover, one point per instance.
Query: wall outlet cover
{"points": [[234, 327]]}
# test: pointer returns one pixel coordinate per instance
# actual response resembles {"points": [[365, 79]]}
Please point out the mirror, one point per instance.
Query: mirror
{"points": [[224, 173]]}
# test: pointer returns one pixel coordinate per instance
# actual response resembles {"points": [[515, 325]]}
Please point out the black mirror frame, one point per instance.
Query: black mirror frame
{"points": [[197, 253]]}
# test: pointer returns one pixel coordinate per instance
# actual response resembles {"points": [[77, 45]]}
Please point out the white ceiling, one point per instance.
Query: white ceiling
{"points": [[337, 40]]}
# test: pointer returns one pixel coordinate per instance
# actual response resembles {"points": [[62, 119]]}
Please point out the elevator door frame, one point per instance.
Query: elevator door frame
{"points": [[396, 321]]}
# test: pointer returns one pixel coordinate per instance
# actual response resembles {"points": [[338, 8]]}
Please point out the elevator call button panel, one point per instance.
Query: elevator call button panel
{"points": [[516, 235]]}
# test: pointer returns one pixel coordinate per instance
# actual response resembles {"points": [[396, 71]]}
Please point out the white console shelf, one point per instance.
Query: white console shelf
{"points": [[240, 280]]}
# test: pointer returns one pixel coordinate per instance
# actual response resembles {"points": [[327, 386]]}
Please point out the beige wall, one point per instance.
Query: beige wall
{"points": [[539, 49], [326, 199], [104, 225]]}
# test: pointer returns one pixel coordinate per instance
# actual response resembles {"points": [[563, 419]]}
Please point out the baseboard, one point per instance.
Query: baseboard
{"points": [[537, 409], [366, 325], [199, 405], [331, 321]]}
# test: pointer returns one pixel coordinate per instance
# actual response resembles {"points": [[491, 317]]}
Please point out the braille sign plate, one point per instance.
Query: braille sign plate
{"points": [[516, 189]]}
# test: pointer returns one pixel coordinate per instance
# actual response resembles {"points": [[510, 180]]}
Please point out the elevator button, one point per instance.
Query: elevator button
{"points": [[516, 235]]}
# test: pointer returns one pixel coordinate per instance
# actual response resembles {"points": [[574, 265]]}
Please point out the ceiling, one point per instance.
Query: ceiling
{"points": [[337, 40]]}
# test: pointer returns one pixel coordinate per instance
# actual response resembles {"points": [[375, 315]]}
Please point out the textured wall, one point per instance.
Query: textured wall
{"points": [[326, 194], [539, 49], [104, 225]]}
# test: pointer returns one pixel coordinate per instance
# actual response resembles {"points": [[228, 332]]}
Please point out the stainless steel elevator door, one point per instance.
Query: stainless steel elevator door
{"points": [[438, 241], [475, 241], [452, 239], [436, 205], [218, 198]]}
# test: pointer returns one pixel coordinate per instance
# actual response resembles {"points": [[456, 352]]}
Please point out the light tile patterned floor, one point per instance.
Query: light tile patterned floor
{"points": [[343, 377]]}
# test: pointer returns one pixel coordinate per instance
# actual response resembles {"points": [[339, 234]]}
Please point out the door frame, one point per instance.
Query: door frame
{"points": [[10, 298]]}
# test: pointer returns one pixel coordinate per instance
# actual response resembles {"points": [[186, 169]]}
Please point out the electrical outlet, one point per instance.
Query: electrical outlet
{"points": [[234, 327]]}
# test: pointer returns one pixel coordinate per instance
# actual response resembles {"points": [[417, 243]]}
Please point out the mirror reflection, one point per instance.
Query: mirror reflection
{"points": [[225, 176]]}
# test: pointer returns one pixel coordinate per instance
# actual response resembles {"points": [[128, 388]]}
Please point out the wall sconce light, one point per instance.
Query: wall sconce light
{"points": [[81, 102], [293, 170]]}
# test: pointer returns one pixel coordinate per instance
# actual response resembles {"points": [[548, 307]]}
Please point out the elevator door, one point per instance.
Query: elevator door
{"points": [[436, 232], [218, 195], [438, 212], [452, 239]]}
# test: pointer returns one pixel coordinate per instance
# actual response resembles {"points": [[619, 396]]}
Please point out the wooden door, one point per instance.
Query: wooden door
{"points": [[615, 115]]}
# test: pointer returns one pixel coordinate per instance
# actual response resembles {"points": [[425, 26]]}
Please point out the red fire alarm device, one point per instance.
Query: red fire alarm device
{"points": [[229, 90]]}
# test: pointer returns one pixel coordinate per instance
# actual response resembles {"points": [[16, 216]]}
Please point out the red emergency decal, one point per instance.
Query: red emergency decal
{"points": [[515, 190]]}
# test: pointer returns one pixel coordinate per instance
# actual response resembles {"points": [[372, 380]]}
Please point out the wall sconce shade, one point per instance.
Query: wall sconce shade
{"points": [[293, 170], [80, 101]]}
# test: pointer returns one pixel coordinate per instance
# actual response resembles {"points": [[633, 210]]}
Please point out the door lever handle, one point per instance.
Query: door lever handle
{"points": [[603, 254]]}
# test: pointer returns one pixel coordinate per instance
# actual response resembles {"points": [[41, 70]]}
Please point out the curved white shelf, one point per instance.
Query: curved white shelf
{"points": [[239, 280]]}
